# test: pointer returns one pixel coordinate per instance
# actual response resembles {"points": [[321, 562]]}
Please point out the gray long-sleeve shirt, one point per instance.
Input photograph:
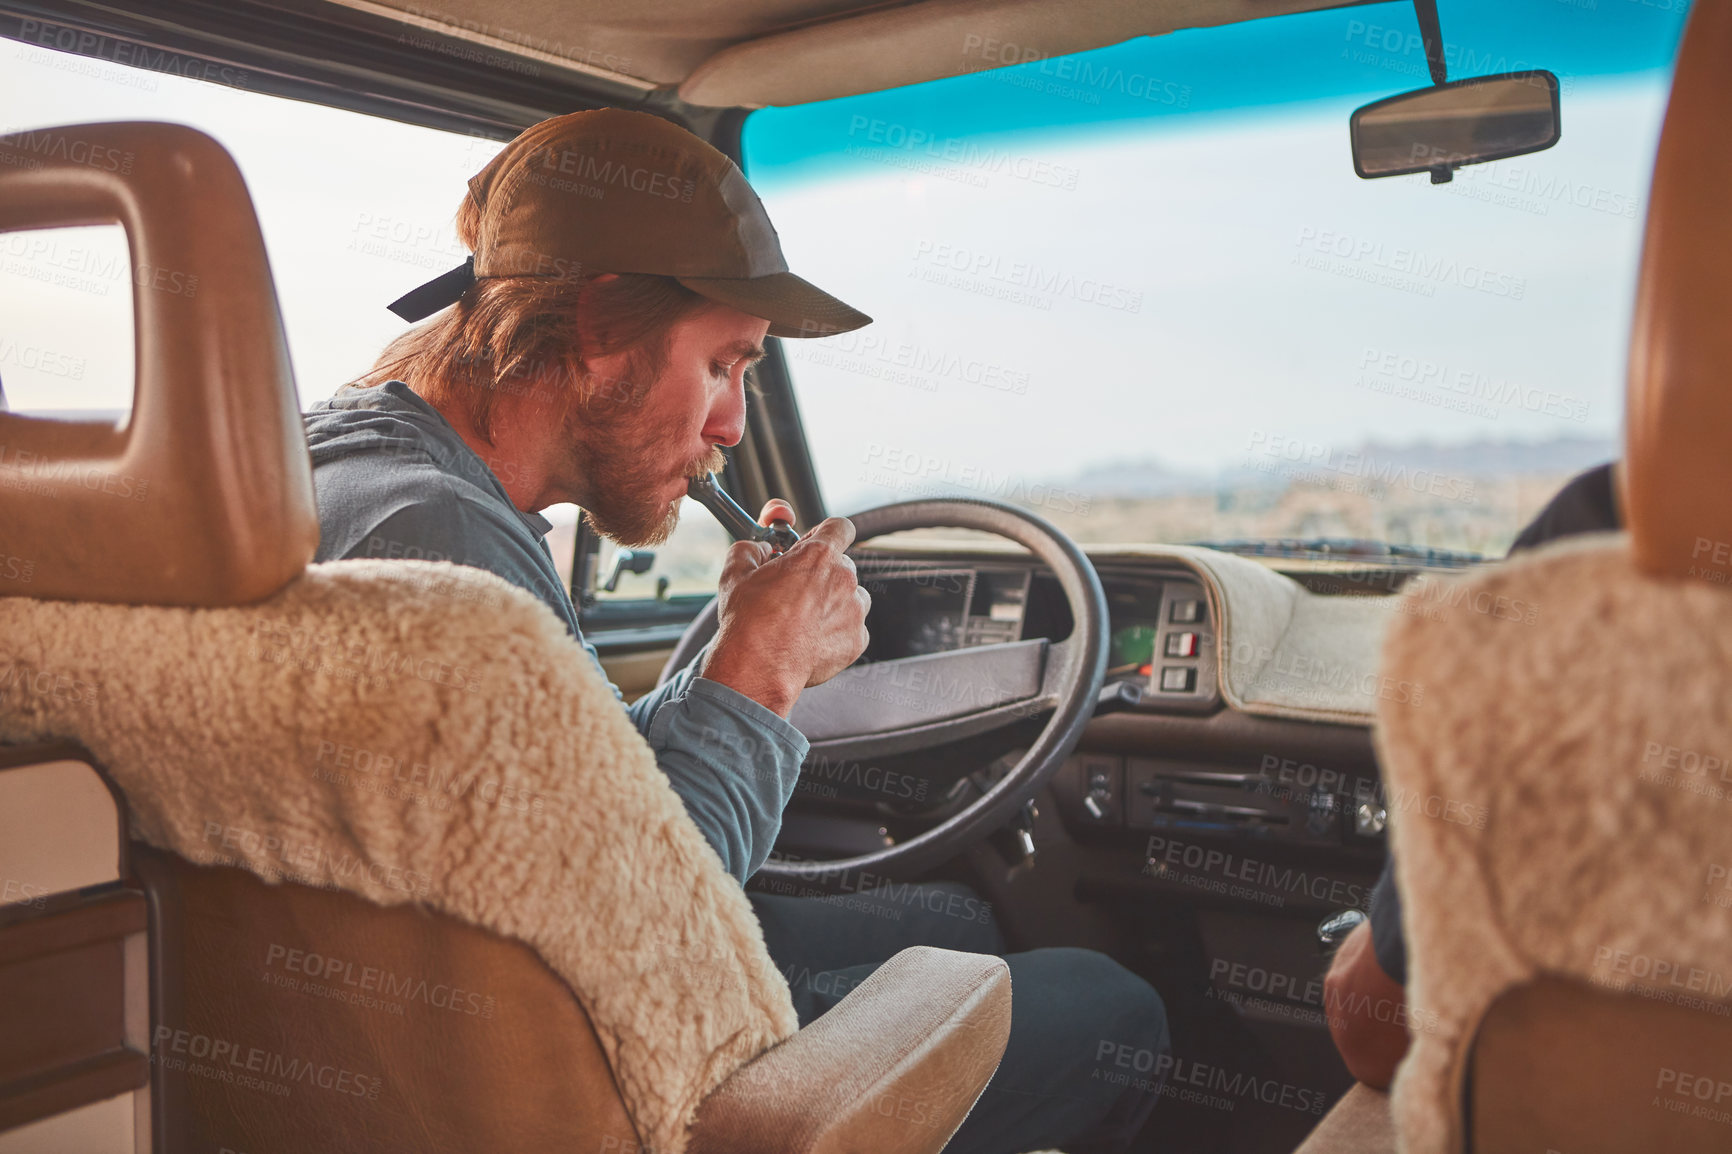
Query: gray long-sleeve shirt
{"points": [[394, 480]]}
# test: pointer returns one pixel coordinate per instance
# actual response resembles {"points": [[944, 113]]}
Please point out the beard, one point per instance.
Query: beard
{"points": [[624, 459]]}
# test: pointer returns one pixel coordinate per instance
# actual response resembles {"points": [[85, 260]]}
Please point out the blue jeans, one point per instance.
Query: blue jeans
{"points": [[1075, 1014]]}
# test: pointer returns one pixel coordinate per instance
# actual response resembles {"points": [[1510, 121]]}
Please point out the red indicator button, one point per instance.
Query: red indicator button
{"points": [[1181, 645]]}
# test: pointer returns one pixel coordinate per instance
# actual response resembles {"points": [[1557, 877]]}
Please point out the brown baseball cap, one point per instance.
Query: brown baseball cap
{"points": [[628, 192]]}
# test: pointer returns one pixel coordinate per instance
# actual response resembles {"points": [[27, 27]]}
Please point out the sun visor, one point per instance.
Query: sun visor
{"points": [[889, 48]]}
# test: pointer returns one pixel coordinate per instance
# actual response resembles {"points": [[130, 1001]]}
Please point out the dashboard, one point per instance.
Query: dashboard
{"points": [[1176, 759], [1210, 820]]}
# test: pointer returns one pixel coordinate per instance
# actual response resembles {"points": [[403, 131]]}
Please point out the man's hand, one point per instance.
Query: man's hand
{"points": [[1367, 1011], [784, 623]]}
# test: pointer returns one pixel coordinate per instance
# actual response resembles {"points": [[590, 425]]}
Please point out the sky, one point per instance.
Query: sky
{"points": [[1155, 252]]}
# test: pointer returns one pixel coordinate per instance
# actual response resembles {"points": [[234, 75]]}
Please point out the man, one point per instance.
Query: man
{"points": [[593, 350], [1364, 988]]}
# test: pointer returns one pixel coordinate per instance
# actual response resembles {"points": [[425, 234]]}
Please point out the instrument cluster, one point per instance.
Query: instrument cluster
{"points": [[1161, 634]]}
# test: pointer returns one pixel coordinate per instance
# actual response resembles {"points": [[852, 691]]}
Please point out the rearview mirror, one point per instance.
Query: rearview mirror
{"points": [[1441, 128]]}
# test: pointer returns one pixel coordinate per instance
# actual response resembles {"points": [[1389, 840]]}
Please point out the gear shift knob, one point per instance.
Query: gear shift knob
{"points": [[708, 492]]}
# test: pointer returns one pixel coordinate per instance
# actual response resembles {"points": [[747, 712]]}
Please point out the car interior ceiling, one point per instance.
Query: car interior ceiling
{"points": [[1199, 830]]}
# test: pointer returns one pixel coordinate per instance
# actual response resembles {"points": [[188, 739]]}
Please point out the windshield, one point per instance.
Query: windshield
{"points": [[1141, 291]]}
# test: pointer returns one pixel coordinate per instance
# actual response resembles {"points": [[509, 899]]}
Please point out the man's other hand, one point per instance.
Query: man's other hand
{"points": [[788, 622], [1367, 1011]]}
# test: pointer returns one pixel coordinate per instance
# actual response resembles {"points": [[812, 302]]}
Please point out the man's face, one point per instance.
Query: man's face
{"points": [[636, 441]]}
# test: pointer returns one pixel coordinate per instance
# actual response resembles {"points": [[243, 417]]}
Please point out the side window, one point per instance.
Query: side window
{"points": [[340, 251], [341, 247], [687, 564], [657, 588]]}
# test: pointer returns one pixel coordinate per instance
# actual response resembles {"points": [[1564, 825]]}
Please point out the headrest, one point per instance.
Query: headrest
{"points": [[1677, 496], [205, 496]]}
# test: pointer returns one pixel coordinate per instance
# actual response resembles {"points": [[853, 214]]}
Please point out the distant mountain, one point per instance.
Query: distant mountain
{"points": [[1148, 477], [1502, 458], [1144, 478]]}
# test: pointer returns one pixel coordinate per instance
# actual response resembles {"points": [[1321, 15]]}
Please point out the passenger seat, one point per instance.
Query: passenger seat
{"points": [[1571, 955]]}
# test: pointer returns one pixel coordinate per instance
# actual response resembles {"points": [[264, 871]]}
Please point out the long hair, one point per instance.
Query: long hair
{"points": [[512, 334]]}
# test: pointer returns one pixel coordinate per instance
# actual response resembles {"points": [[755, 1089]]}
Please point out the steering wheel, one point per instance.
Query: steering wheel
{"points": [[1064, 677]]}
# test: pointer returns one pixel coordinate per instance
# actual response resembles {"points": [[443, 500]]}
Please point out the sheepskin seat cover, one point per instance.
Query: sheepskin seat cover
{"points": [[1554, 797], [258, 737]]}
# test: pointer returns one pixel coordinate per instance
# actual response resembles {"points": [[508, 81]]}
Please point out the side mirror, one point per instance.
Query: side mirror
{"points": [[1441, 128], [628, 561]]}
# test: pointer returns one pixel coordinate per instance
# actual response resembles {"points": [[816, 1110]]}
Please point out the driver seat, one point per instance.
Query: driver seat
{"points": [[287, 1016]]}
